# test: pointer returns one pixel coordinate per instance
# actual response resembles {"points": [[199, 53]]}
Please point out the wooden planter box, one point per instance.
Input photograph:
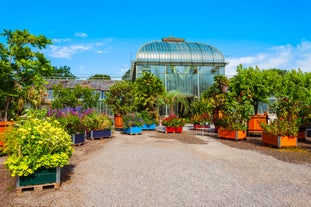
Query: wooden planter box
{"points": [[78, 139], [133, 130], [279, 141], [231, 134], [149, 126], [254, 124], [40, 179], [169, 129], [97, 134]]}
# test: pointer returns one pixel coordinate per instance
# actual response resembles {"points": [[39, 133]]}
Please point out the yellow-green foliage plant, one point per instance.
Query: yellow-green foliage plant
{"points": [[36, 142]]}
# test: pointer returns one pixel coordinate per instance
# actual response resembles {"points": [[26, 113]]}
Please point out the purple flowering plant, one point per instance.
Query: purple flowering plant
{"points": [[71, 118]]}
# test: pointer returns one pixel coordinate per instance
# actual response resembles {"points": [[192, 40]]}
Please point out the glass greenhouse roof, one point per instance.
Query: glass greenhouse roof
{"points": [[177, 50]]}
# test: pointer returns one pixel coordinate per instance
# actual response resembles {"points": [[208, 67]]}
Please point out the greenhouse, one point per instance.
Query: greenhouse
{"points": [[186, 67]]}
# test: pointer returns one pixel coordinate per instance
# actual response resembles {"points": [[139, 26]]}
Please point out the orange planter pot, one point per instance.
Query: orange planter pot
{"points": [[3, 126], [254, 124], [279, 141], [118, 122], [231, 134]]}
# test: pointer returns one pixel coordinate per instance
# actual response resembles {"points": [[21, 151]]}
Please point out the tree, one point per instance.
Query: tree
{"points": [[174, 98], [63, 72], [216, 93], [148, 89], [120, 98], [22, 68], [254, 84], [100, 77], [74, 97]]}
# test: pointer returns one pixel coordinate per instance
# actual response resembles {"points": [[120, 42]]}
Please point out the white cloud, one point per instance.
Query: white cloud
{"points": [[57, 40], [80, 34], [67, 51], [282, 57]]}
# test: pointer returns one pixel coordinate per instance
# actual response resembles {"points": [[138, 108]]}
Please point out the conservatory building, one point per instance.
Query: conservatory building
{"points": [[186, 67]]}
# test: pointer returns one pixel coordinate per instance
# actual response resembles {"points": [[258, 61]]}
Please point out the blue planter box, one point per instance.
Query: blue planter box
{"points": [[133, 130], [42, 176], [149, 126], [78, 139], [95, 134]]}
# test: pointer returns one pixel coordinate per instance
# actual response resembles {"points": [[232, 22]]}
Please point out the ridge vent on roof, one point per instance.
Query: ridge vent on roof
{"points": [[173, 39]]}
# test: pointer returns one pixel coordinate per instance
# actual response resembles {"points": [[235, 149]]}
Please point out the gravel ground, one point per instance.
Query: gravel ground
{"points": [[157, 169]]}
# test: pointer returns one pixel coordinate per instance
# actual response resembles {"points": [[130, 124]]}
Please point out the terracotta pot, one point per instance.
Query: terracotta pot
{"points": [[231, 134], [279, 141], [254, 124], [118, 121]]}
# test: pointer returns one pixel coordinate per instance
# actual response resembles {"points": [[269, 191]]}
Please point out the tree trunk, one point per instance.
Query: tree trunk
{"points": [[6, 109]]}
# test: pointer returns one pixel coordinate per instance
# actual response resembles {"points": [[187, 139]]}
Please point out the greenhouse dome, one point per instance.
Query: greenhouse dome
{"points": [[186, 67], [177, 50]]}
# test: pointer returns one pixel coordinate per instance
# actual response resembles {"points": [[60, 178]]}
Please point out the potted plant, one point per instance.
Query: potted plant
{"points": [[173, 124], [71, 120], [200, 113], [283, 131], [233, 123], [149, 120], [133, 123], [216, 96], [120, 99], [98, 125], [37, 147]]}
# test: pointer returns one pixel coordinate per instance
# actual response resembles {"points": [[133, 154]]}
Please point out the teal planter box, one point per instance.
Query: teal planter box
{"points": [[149, 126], [133, 130], [42, 176]]}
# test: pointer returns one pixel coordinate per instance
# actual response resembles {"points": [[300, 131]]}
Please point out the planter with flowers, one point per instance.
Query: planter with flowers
{"points": [[173, 124], [71, 120], [283, 131], [37, 148], [133, 123], [201, 111], [98, 125], [200, 121]]}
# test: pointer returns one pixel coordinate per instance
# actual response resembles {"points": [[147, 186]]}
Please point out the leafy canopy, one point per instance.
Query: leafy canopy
{"points": [[23, 67]]}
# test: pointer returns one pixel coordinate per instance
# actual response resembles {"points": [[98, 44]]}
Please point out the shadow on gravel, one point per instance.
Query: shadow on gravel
{"points": [[67, 171]]}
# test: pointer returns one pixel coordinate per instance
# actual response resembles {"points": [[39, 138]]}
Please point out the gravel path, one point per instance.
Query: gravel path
{"points": [[143, 171]]}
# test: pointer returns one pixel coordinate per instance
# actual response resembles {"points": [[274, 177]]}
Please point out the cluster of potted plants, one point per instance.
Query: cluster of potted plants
{"points": [[83, 123], [98, 125], [38, 146], [173, 124]]}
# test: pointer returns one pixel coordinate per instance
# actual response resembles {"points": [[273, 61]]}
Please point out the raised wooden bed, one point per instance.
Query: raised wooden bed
{"points": [[279, 141], [231, 134]]}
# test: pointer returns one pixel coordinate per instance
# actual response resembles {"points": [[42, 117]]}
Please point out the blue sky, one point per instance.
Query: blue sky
{"points": [[98, 36]]}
